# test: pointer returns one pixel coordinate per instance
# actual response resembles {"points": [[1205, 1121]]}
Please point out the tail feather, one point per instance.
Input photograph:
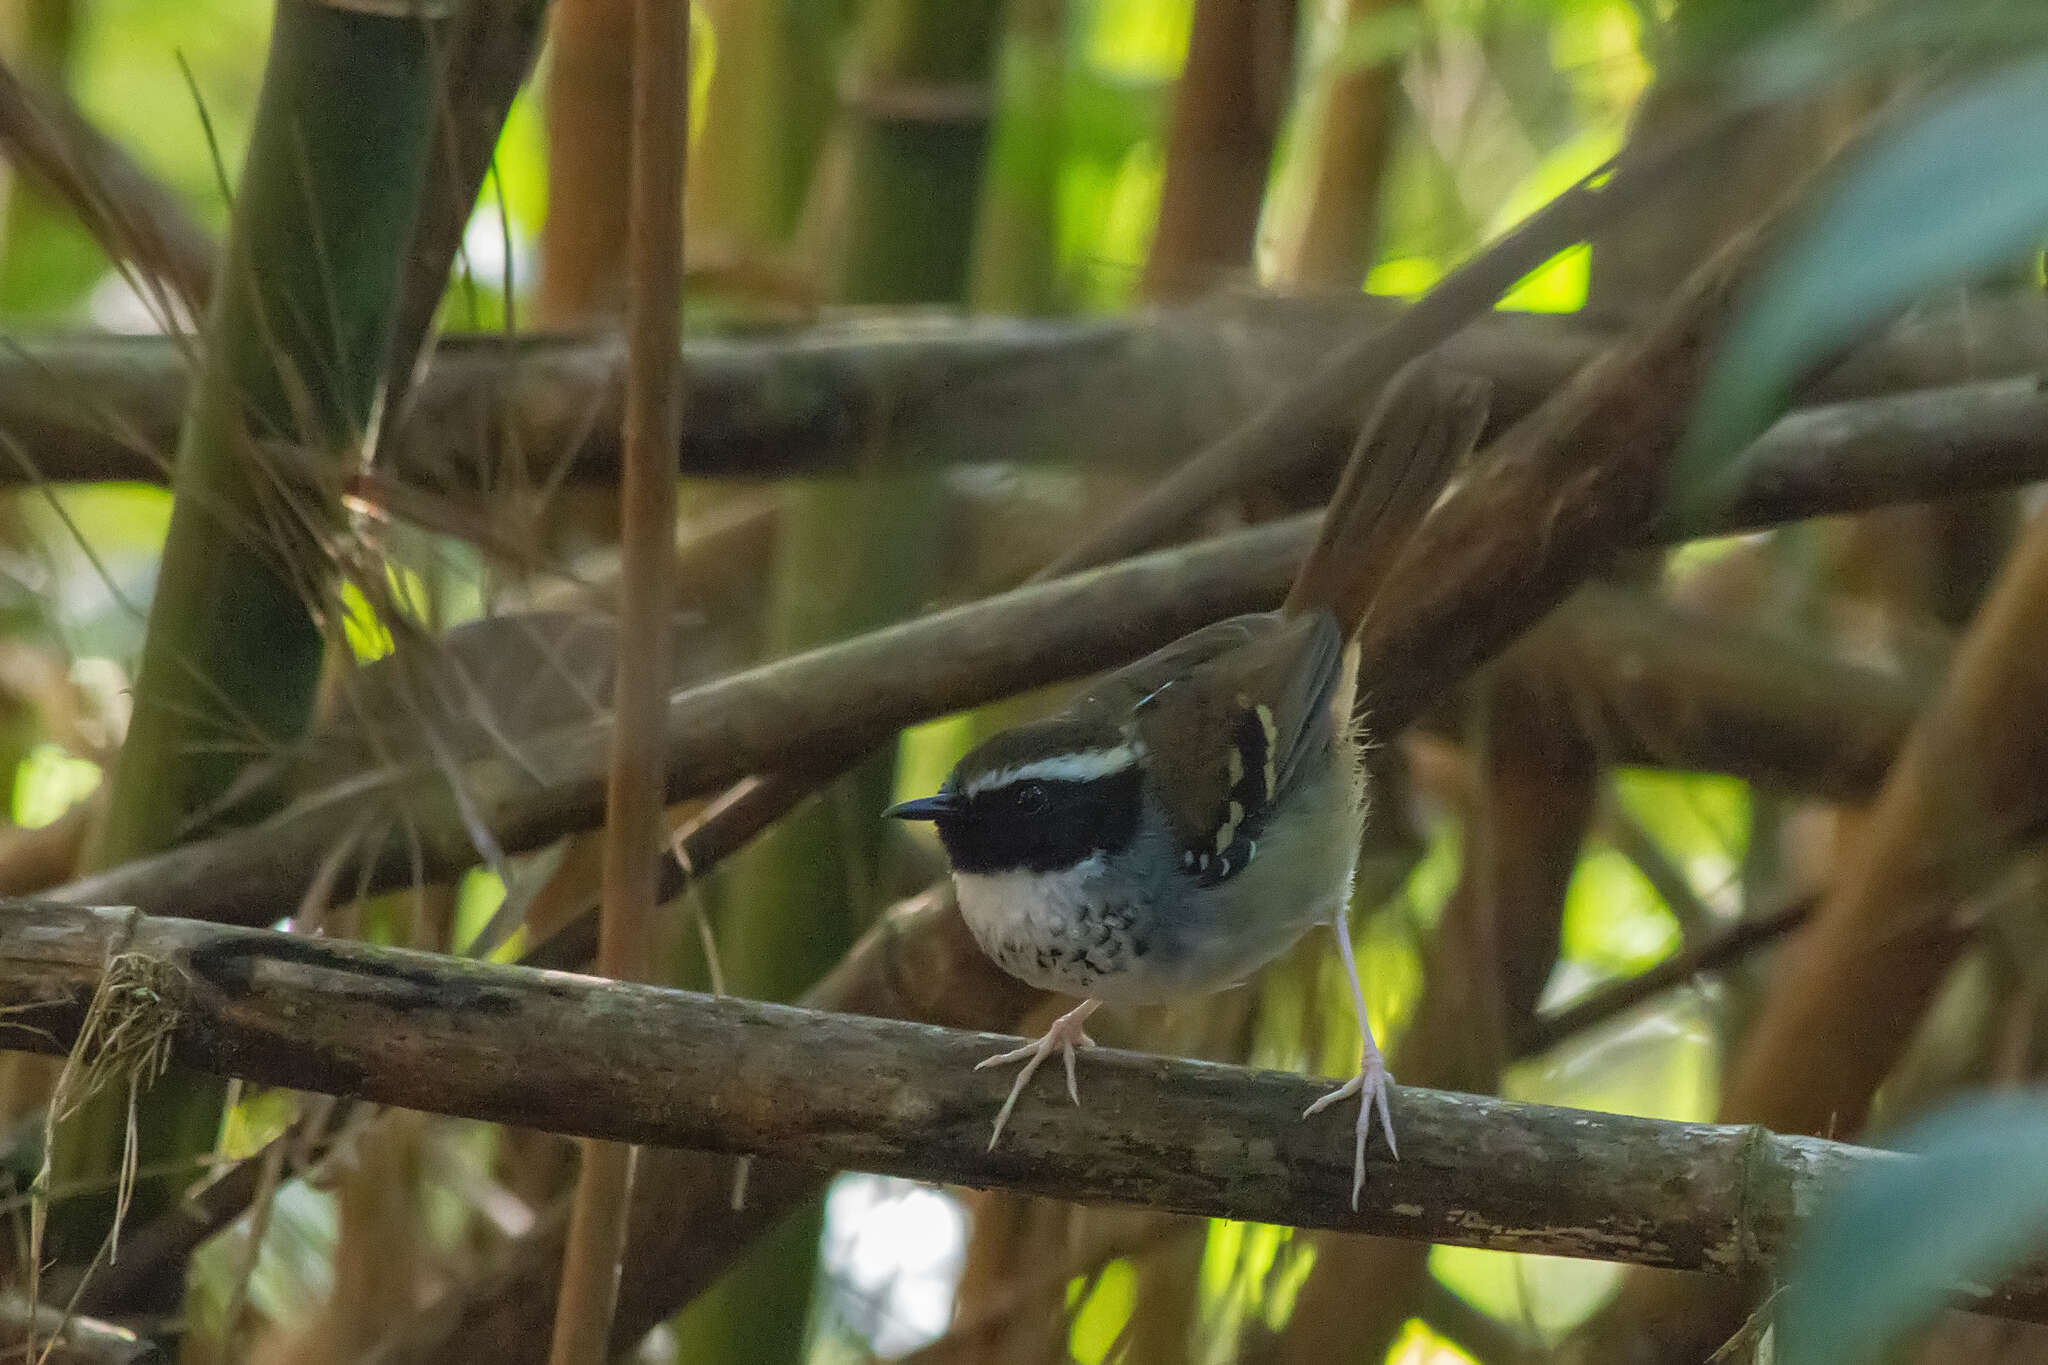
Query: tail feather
{"points": [[1425, 423]]}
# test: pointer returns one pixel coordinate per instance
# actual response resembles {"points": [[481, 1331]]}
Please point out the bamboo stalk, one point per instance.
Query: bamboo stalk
{"points": [[1327, 201], [642, 1064], [647, 501], [291, 356], [1227, 107], [891, 218]]}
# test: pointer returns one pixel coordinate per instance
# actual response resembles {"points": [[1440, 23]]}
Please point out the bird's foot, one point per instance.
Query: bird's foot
{"points": [[1370, 1085], [1065, 1035]]}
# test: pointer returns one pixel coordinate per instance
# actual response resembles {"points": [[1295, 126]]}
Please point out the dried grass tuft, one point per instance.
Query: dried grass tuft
{"points": [[126, 1037]]}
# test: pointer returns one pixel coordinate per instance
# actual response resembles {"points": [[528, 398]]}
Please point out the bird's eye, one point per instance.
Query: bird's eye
{"points": [[1032, 798]]}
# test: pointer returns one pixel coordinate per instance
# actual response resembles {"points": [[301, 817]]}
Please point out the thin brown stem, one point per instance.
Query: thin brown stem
{"points": [[633, 792]]}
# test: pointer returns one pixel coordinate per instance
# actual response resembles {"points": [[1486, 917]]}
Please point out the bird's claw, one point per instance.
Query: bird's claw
{"points": [[1066, 1034], [1370, 1085]]}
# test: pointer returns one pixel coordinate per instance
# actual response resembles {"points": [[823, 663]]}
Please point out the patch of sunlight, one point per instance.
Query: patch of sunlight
{"points": [[1599, 46], [250, 1124], [1248, 1270], [1138, 40], [891, 1253], [1130, 211], [1436, 874], [1221, 1253], [1383, 35], [1614, 923], [522, 166], [703, 58], [48, 781], [1389, 970], [1562, 167], [128, 84], [102, 543], [1682, 561], [495, 252], [367, 635], [1545, 1295], [116, 305], [1417, 1345], [1404, 277], [1101, 1317], [1661, 1061], [294, 1266], [369, 639], [1700, 819], [927, 752], [1281, 1022], [1283, 1288], [477, 899], [1557, 286]]}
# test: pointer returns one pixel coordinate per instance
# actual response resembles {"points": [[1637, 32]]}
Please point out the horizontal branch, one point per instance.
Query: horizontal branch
{"points": [[1137, 392], [583, 1056]]}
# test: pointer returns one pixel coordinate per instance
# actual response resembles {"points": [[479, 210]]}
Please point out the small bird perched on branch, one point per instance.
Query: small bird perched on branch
{"points": [[1196, 812]]}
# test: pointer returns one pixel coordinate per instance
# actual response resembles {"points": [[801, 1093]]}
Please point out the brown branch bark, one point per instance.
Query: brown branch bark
{"points": [[639, 1063], [1138, 391], [1227, 109], [1646, 682]]}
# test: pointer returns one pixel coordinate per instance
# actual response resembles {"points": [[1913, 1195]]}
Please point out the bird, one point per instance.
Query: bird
{"points": [[1191, 815]]}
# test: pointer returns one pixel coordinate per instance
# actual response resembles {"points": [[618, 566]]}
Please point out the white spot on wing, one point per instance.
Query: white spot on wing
{"points": [[1272, 748]]}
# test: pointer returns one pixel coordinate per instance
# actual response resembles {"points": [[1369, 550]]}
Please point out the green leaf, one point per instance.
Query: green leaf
{"points": [[1892, 1247], [1946, 194], [1824, 49]]}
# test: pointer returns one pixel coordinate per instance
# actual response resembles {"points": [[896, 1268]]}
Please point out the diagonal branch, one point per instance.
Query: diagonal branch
{"points": [[642, 1064], [1668, 692]]}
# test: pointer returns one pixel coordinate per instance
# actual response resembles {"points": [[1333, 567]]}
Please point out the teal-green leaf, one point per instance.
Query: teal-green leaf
{"points": [[1890, 1248], [1823, 48], [1953, 189]]}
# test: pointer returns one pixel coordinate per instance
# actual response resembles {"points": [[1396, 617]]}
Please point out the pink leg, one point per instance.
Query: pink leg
{"points": [[1370, 1084], [1065, 1034]]}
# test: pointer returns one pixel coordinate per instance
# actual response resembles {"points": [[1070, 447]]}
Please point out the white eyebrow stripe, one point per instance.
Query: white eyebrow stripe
{"points": [[1081, 767]]}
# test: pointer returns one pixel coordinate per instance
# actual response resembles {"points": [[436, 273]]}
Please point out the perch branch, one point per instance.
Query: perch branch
{"points": [[633, 1063]]}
